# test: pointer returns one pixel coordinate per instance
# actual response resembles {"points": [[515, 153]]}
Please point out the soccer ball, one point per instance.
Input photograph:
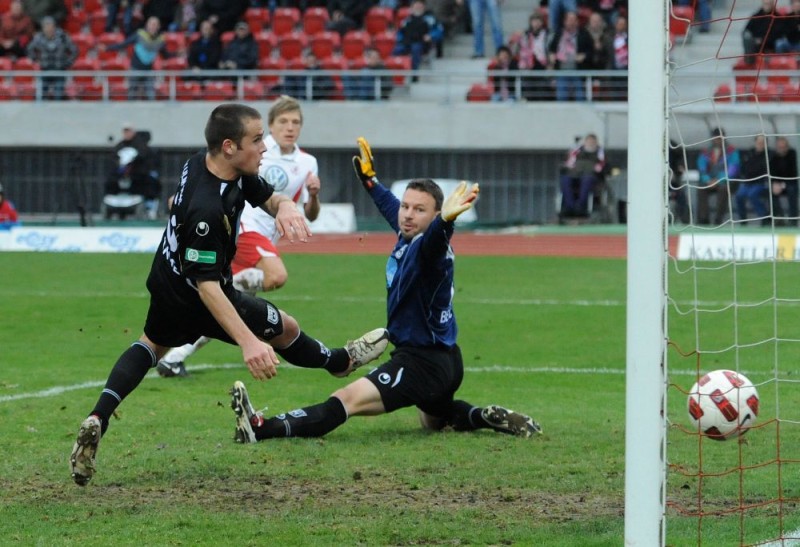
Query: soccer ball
{"points": [[723, 404]]}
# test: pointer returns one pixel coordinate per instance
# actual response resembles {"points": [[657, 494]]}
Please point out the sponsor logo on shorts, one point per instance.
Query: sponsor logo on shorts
{"points": [[384, 378], [202, 228], [202, 257], [272, 315]]}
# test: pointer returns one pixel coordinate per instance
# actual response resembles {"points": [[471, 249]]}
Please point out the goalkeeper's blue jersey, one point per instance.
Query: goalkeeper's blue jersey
{"points": [[419, 281]]}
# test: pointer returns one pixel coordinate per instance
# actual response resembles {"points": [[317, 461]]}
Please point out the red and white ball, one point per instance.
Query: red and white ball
{"points": [[723, 404]]}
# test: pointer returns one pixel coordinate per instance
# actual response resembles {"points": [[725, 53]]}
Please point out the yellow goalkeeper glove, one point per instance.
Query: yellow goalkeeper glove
{"points": [[365, 164], [459, 201]]}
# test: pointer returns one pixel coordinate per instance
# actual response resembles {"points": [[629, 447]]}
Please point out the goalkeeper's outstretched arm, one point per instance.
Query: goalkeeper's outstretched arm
{"points": [[460, 200]]}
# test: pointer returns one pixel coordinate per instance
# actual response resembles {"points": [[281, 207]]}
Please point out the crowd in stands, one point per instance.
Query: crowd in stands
{"points": [[209, 36]]}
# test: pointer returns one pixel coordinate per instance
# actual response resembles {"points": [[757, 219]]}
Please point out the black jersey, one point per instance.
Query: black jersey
{"points": [[200, 239]]}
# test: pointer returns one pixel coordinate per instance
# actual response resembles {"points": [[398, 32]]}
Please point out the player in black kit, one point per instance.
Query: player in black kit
{"points": [[190, 282]]}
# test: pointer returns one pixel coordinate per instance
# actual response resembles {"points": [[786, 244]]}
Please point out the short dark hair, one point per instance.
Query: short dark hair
{"points": [[429, 187], [227, 122]]}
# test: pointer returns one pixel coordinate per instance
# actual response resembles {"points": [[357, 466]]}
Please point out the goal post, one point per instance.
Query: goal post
{"points": [[645, 422]]}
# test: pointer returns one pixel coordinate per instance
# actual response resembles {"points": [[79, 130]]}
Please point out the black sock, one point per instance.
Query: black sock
{"points": [[131, 367], [307, 352], [311, 421], [465, 417]]}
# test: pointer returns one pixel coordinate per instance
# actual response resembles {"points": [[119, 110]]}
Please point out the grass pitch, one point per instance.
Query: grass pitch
{"points": [[545, 336]]}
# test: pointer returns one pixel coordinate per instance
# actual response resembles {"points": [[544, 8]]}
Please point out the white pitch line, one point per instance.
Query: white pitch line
{"points": [[58, 390], [792, 540]]}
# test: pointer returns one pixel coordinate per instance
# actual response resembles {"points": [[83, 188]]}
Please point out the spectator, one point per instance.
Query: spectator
{"points": [[532, 55], [609, 9], [306, 85], [134, 172], [185, 18], [584, 169], [789, 35], [241, 53], [717, 165], [761, 32], [702, 12], [619, 59], [569, 50], [418, 32], [556, 11], [754, 186], [130, 9], [783, 171], [8, 213], [148, 43], [206, 51], [478, 10], [426, 368], [599, 57], [341, 23], [16, 30], [500, 73], [678, 193], [367, 86], [54, 50], [448, 13], [224, 14], [37, 10], [354, 10]]}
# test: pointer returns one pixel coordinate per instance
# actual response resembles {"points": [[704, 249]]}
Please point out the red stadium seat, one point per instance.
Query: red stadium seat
{"points": [[354, 43], [84, 41], [723, 93], [75, 21], [226, 38], [268, 63], [680, 19], [175, 42], [257, 18], [743, 66], [24, 64], [6, 64], [480, 92], [6, 91], [91, 6], [110, 39], [118, 91], [401, 15], [378, 19], [291, 45], [315, 19], [85, 64], [174, 64], [117, 64], [285, 20], [785, 63], [253, 90], [24, 91], [325, 44], [385, 42], [790, 93], [219, 91], [97, 22], [398, 62], [267, 42], [188, 91]]}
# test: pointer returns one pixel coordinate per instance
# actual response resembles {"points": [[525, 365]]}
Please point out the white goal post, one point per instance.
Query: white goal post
{"points": [[645, 422]]}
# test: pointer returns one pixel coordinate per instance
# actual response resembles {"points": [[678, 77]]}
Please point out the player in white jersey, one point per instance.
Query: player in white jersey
{"points": [[257, 264]]}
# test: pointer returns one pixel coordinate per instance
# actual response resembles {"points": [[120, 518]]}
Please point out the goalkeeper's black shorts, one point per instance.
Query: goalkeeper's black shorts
{"points": [[427, 378]]}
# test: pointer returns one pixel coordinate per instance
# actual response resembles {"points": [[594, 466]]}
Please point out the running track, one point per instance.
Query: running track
{"points": [[471, 243]]}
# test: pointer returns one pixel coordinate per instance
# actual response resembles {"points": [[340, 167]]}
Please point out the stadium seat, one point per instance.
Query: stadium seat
{"points": [[784, 63], [118, 91], [24, 64], [84, 41], [257, 18], [480, 92], [175, 42], [24, 91], [91, 6], [188, 91], [253, 90], [5, 5], [85, 91], [292, 44], [744, 92], [175, 64], [75, 21], [354, 43], [335, 63], [267, 42], [315, 20], [6, 64], [285, 20], [325, 44], [768, 92], [398, 62], [85, 64], [110, 39], [743, 66], [272, 64], [378, 19], [790, 93], [385, 42], [97, 22], [723, 93], [401, 15], [6, 91], [226, 38], [113, 65], [219, 91], [680, 19]]}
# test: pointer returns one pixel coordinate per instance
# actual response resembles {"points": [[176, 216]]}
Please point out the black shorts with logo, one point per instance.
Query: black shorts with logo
{"points": [[173, 326], [427, 378]]}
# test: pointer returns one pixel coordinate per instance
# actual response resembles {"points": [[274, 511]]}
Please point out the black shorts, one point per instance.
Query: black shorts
{"points": [[422, 377], [175, 326]]}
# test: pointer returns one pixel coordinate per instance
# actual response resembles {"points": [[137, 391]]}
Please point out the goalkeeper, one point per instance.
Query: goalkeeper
{"points": [[425, 369]]}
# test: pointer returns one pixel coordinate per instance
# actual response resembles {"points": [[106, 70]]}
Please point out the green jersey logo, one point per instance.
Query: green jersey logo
{"points": [[203, 257]]}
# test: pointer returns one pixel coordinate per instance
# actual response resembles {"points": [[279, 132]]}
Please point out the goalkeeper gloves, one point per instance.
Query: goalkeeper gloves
{"points": [[459, 201], [365, 164]]}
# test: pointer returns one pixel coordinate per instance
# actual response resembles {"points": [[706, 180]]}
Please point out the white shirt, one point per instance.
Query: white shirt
{"points": [[287, 173]]}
